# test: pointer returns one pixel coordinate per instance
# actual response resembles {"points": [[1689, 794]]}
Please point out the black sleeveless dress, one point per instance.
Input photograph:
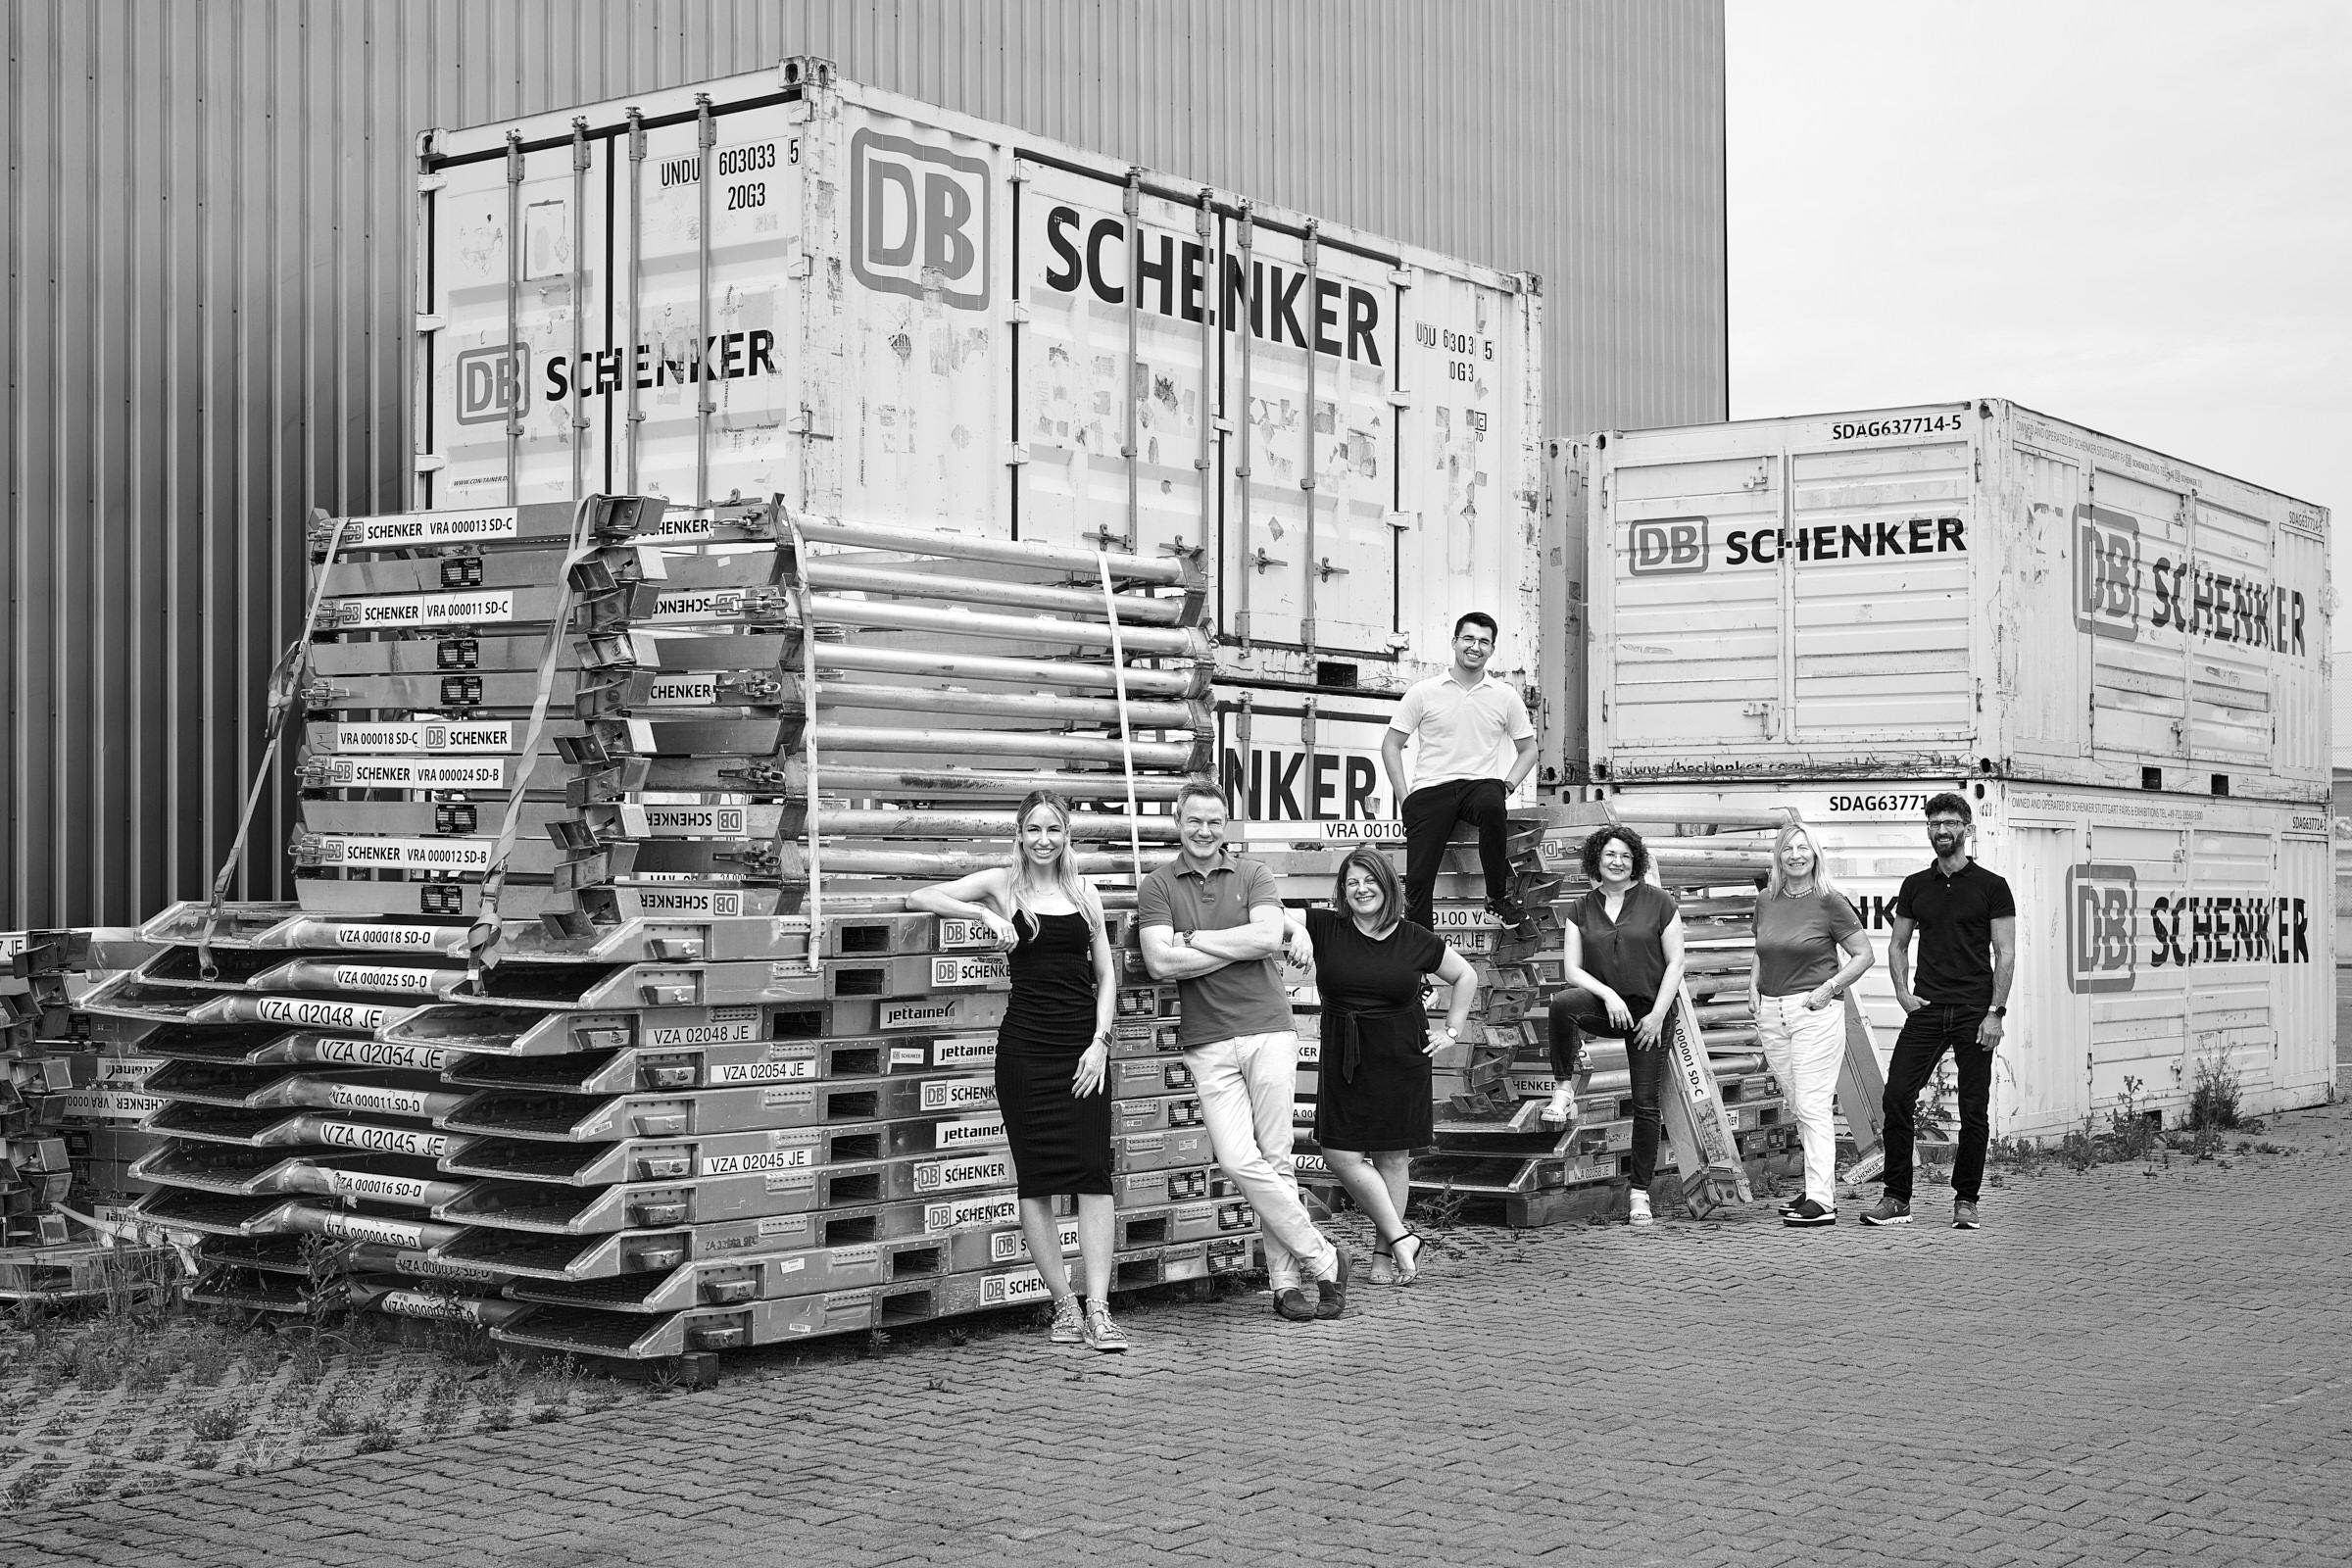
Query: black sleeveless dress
{"points": [[1060, 1142], [1372, 1091]]}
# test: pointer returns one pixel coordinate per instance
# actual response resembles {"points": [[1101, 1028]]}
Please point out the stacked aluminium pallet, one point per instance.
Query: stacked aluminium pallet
{"points": [[612, 1032]]}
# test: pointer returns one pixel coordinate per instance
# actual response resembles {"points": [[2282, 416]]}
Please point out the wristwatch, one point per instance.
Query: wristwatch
{"points": [[1451, 1033], [2001, 1011]]}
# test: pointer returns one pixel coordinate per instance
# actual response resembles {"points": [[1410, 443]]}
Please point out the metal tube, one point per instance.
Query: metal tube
{"points": [[1214, 277], [705, 131], [1192, 683], [1187, 641], [984, 824], [1307, 479], [636, 284], [1246, 328], [1052, 706], [831, 571], [1003, 551], [513, 313], [793, 862], [579, 307], [964, 784], [1135, 289], [953, 741]]}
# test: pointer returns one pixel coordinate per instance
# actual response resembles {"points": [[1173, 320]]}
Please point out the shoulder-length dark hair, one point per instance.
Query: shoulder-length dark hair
{"points": [[1599, 841], [1383, 877]]}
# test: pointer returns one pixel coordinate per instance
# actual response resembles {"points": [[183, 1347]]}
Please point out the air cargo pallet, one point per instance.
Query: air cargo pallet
{"points": [[75, 1271], [588, 1332]]}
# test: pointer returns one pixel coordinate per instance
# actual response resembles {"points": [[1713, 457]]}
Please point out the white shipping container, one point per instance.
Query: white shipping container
{"points": [[2156, 934], [783, 283], [1967, 588]]}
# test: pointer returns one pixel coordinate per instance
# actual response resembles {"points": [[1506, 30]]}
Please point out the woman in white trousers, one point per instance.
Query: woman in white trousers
{"points": [[1797, 982]]}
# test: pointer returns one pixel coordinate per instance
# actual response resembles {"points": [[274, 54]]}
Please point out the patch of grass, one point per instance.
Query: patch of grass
{"points": [[202, 1458], [2213, 1100], [219, 1423], [378, 1436]]}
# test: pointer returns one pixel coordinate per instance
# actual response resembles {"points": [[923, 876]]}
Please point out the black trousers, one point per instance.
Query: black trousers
{"points": [[1935, 1028], [1428, 818], [1576, 1012]]}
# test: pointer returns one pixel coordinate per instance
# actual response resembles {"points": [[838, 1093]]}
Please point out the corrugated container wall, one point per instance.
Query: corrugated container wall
{"points": [[210, 281]]}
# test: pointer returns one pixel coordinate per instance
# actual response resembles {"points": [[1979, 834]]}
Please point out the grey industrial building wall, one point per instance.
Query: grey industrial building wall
{"points": [[210, 280]]}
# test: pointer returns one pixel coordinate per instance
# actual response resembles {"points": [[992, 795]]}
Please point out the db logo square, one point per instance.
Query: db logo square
{"points": [[490, 380], [2102, 909], [918, 221], [1667, 545], [2106, 574]]}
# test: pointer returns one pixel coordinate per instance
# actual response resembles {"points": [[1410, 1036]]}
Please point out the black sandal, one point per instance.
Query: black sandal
{"points": [[1406, 1273]]}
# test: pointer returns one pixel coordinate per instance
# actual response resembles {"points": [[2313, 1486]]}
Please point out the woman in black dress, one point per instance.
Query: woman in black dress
{"points": [[1053, 1051], [1372, 1101], [1622, 949]]}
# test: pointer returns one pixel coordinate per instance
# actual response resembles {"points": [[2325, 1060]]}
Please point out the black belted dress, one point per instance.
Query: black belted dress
{"points": [[1372, 1084]]}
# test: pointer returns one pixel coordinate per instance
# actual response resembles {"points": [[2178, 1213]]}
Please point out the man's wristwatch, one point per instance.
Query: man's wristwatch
{"points": [[2001, 1011], [1451, 1033]]}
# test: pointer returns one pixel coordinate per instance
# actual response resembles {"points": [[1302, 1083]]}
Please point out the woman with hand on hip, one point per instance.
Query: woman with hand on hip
{"points": [[1372, 1100], [1053, 1051], [1810, 946], [1622, 948]]}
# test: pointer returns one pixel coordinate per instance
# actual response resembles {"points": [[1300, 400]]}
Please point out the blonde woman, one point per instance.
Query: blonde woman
{"points": [[1810, 946], [1053, 1051]]}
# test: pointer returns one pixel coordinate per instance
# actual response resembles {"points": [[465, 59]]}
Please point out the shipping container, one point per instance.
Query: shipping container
{"points": [[787, 285], [1969, 588], [2157, 935]]}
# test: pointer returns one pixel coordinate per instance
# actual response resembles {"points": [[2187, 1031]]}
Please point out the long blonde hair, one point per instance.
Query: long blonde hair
{"points": [[1064, 873], [1822, 880]]}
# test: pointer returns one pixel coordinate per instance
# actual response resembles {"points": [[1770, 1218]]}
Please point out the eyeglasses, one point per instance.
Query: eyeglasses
{"points": [[1946, 822]]}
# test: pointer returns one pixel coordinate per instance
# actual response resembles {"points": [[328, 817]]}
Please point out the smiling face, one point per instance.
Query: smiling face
{"points": [[1946, 834], [1616, 861], [1362, 892], [1473, 645], [1796, 858], [1202, 826], [1043, 834]]}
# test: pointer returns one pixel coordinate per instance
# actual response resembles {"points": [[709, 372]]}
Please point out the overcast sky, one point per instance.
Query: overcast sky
{"points": [[2136, 216]]}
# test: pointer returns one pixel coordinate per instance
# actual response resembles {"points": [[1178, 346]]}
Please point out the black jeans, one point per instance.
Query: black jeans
{"points": [[1576, 1012], [1935, 1028], [1428, 818]]}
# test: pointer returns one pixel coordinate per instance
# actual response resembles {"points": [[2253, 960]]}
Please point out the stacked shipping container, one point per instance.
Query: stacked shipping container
{"points": [[2120, 658]]}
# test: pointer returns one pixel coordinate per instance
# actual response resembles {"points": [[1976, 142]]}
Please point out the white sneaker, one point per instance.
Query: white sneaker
{"points": [[1637, 1207]]}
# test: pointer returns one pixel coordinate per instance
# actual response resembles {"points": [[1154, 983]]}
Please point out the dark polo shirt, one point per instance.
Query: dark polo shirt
{"points": [[1954, 916], [1240, 998]]}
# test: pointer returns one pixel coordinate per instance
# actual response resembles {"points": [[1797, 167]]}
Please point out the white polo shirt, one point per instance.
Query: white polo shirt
{"points": [[1464, 731]]}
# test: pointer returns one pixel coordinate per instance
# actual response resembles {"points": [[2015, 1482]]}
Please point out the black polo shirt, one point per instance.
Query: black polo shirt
{"points": [[1954, 918]]}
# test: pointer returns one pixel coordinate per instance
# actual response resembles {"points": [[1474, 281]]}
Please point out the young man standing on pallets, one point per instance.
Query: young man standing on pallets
{"points": [[1967, 925], [1462, 718], [1211, 921]]}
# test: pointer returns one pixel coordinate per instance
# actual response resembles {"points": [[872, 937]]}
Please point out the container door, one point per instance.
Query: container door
{"points": [[1309, 555], [2303, 1001], [1876, 570], [1117, 362], [2048, 614], [2233, 597], [2132, 555], [2299, 635], [1690, 646], [511, 301]]}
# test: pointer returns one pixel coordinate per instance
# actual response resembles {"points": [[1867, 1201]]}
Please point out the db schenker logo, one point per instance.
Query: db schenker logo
{"points": [[1667, 545], [491, 381], [918, 221], [2106, 574], [2102, 909]]}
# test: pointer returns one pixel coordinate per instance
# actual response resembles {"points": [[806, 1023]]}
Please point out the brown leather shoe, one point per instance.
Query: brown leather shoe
{"points": [[1332, 1294]]}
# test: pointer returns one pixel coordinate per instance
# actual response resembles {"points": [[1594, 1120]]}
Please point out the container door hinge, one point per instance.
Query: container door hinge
{"points": [[430, 324], [1402, 277], [1020, 313], [1400, 399], [799, 266], [427, 185], [802, 421], [1019, 454], [430, 463]]}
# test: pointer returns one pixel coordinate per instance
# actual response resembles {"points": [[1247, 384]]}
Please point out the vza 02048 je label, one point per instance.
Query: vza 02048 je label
{"points": [[310, 1014], [726, 1026]]}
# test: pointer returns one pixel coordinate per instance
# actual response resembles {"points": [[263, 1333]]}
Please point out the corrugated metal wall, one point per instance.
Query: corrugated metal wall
{"points": [[209, 275]]}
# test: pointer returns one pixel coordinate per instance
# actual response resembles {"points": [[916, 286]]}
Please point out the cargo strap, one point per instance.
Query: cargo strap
{"points": [[799, 595], [1118, 680], [482, 937], [286, 691]]}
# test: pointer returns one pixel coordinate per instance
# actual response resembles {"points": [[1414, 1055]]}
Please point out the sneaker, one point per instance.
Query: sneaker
{"points": [[1069, 1322], [1964, 1216], [1789, 1205], [1807, 1212], [1102, 1334], [1510, 912], [1295, 1302], [1889, 1211], [1638, 1210], [1332, 1294]]}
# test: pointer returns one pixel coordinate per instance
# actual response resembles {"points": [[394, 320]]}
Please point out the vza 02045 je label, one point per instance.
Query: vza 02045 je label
{"points": [[385, 1140]]}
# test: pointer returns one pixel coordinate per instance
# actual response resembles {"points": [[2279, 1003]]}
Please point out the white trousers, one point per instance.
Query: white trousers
{"points": [[1247, 1085], [1804, 1050]]}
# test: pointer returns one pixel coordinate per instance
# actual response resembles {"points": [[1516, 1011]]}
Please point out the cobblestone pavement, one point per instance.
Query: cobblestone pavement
{"points": [[2128, 1365]]}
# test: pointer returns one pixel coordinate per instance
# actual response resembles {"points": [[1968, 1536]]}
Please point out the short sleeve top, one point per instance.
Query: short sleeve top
{"points": [[1364, 974], [1954, 915], [1796, 941], [1240, 998], [1628, 953]]}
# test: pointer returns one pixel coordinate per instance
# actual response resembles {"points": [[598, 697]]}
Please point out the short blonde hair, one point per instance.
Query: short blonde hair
{"points": [[1788, 834]]}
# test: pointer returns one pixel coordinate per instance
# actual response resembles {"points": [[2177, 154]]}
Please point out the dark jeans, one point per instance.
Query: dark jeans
{"points": [[1576, 1012], [1935, 1028], [1428, 818]]}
